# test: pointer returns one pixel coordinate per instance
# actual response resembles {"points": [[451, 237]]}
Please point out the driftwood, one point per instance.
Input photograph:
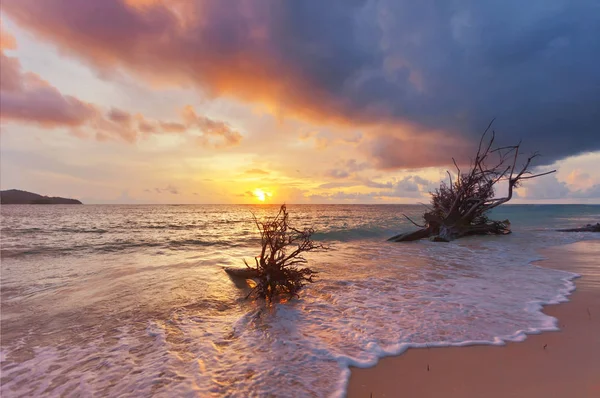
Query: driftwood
{"points": [[242, 273], [277, 270], [460, 207], [587, 228], [409, 236]]}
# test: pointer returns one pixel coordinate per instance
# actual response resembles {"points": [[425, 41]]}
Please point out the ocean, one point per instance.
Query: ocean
{"points": [[110, 300]]}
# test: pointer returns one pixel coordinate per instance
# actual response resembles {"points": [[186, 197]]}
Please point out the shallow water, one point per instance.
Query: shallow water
{"points": [[132, 300]]}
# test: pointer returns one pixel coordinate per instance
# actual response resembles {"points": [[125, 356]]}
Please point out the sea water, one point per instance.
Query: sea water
{"points": [[133, 300]]}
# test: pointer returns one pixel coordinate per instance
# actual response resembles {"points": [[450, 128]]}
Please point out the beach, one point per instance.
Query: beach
{"points": [[564, 363]]}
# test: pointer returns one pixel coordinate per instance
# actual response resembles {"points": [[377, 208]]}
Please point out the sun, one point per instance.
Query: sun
{"points": [[260, 194]]}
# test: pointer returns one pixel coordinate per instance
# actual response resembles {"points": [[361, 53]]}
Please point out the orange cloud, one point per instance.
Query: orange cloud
{"points": [[173, 127], [580, 179], [7, 41], [257, 171], [214, 133], [158, 40]]}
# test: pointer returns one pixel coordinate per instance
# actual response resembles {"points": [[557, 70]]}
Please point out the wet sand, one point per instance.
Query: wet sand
{"points": [[565, 363]]}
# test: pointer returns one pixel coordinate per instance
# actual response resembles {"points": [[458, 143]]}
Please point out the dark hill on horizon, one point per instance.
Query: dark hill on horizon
{"points": [[18, 197]]}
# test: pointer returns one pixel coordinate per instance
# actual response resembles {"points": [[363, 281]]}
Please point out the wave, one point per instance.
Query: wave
{"points": [[350, 234], [113, 247], [52, 242]]}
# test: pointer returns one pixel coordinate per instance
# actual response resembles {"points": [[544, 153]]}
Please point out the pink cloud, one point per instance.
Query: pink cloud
{"points": [[27, 98], [119, 116], [146, 127]]}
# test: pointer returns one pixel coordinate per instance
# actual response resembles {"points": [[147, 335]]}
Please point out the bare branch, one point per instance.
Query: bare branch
{"points": [[458, 173], [414, 223], [538, 175]]}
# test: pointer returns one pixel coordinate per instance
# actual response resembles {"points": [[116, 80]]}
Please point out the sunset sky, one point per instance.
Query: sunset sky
{"points": [[181, 101]]}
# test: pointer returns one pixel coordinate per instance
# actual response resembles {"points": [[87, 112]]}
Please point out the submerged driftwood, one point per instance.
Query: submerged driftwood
{"points": [[410, 236], [587, 228], [460, 208], [242, 273], [279, 268]]}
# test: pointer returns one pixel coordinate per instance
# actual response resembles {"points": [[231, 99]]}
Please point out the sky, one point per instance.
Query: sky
{"points": [[252, 101]]}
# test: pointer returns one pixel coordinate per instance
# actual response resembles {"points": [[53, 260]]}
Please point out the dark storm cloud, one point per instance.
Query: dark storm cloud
{"points": [[437, 66]]}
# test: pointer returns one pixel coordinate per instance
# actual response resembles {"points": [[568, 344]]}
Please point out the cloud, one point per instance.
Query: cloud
{"points": [[247, 194], [326, 139], [421, 181], [7, 41], [353, 166], [346, 169], [168, 189], [257, 171], [574, 180], [173, 127], [591, 192], [374, 184], [438, 67], [145, 126], [336, 173], [340, 184], [27, 98], [119, 116], [389, 152], [411, 186], [345, 197], [549, 187], [578, 177], [213, 132]]}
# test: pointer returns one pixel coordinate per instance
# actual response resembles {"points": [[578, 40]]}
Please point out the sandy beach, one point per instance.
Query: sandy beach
{"points": [[565, 363]]}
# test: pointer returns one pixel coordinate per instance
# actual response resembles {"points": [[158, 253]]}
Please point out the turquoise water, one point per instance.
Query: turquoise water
{"points": [[132, 300]]}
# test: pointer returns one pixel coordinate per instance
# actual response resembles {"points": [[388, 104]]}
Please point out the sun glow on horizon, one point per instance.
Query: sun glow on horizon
{"points": [[261, 195]]}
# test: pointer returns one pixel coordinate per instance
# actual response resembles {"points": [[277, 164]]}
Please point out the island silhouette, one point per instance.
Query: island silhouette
{"points": [[18, 197]]}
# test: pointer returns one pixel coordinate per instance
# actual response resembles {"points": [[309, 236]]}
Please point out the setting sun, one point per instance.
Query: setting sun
{"points": [[260, 194]]}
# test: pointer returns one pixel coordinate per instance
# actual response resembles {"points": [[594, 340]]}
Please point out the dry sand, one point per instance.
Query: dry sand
{"points": [[552, 364]]}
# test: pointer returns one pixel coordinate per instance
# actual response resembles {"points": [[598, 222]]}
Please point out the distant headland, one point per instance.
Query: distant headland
{"points": [[18, 197]]}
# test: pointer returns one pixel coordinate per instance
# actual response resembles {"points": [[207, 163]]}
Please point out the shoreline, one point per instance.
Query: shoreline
{"points": [[549, 364]]}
